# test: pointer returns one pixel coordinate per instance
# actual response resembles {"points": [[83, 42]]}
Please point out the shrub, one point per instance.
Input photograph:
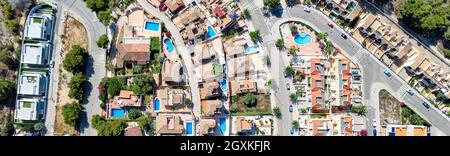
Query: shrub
{"points": [[103, 41], [71, 113], [250, 99], [133, 114]]}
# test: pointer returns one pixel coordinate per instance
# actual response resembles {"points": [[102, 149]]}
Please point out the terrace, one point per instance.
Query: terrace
{"points": [[28, 109], [32, 84], [35, 54], [36, 27]]}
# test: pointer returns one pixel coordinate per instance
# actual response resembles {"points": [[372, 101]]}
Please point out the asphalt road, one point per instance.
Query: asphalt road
{"points": [[372, 67], [95, 69]]}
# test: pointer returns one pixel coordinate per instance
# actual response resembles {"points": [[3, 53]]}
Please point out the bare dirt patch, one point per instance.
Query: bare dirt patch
{"points": [[74, 34], [262, 106], [390, 109]]}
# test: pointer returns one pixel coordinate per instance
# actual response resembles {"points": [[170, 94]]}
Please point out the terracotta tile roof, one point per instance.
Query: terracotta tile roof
{"points": [[243, 125], [206, 125], [139, 53], [245, 86], [134, 131], [169, 124], [126, 98], [210, 107], [218, 11]]}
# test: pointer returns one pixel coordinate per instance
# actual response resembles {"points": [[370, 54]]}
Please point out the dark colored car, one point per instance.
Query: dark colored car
{"points": [[291, 108], [426, 105], [344, 36]]}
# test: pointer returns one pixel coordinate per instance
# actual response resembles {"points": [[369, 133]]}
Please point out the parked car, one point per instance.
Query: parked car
{"points": [[374, 123], [291, 108], [426, 105], [292, 130], [344, 36], [387, 73], [330, 24], [402, 104], [52, 64], [288, 87], [410, 91]]}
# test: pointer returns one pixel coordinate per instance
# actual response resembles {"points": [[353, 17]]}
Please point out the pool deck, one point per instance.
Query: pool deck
{"points": [[312, 48]]}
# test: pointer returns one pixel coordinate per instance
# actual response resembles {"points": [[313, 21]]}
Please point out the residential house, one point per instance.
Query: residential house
{"points": [[32, 84], [207, 126], [29, 109], [407, 130], [169, 125], [35, 54]]}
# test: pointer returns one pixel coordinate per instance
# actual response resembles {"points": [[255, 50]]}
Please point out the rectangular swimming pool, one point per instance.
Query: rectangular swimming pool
{"points": [[153, 26], [189, 128], [117, 113], [223, 125]]}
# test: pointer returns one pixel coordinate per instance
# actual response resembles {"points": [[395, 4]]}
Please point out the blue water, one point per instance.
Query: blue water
{"points": [[117, 113], [152, 26], [251, 49], [352, 5], [169, 45], [156, 105], [223, 125], [223, 84], [211, 33], [189, 128], [302, 38]]}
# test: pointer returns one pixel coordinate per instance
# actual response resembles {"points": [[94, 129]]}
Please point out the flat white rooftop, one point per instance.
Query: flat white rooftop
{"points": [[30, 84], [33, 54], [35, 27], [26, 109]]}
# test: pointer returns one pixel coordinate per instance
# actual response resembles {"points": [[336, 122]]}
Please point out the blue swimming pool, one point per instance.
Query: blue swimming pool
{"points": [[223, 125], [251, 49], [210, 33], [189, 128], [302, 38], [153, 26], [117, 113], [223, 84], [169, 45], [156, 104]]}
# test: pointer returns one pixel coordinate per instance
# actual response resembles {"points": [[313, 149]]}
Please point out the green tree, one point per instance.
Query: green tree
{"points": [[416, 120], [447, 34], [188, 103], [280, 43], [7, 10], [103, 106], [329, 47], [75, 59], [428, 15], [406, 112], [133, 114], [105, 16], [293, 50], [308, 2], [359, 109], [277, 112], [108, 127], [295, 124], [71, 113], [447, 53], [103, 41], [255, 35], [289, 71], [272, 4], [250, 99], [6, 89], [114, 85], [293, 97], [143, 84], [294, 29], [155, 44], [234, 98], [234, 108], [76, 86], [12, 25], [322, 36], [145, 123], [247, 14], [38, 126]]}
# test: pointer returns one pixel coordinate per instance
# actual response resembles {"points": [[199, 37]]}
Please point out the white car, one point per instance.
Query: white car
{"points": [[307, 9], [374, 123]]}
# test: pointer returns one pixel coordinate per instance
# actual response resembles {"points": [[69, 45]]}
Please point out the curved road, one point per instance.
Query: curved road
{"points": [[372, 67], [95, 70]]}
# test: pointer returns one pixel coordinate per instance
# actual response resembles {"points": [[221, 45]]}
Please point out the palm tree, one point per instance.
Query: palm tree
{"points": [[295, 124], [322, 36], [298, 76], [293, 50]]}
